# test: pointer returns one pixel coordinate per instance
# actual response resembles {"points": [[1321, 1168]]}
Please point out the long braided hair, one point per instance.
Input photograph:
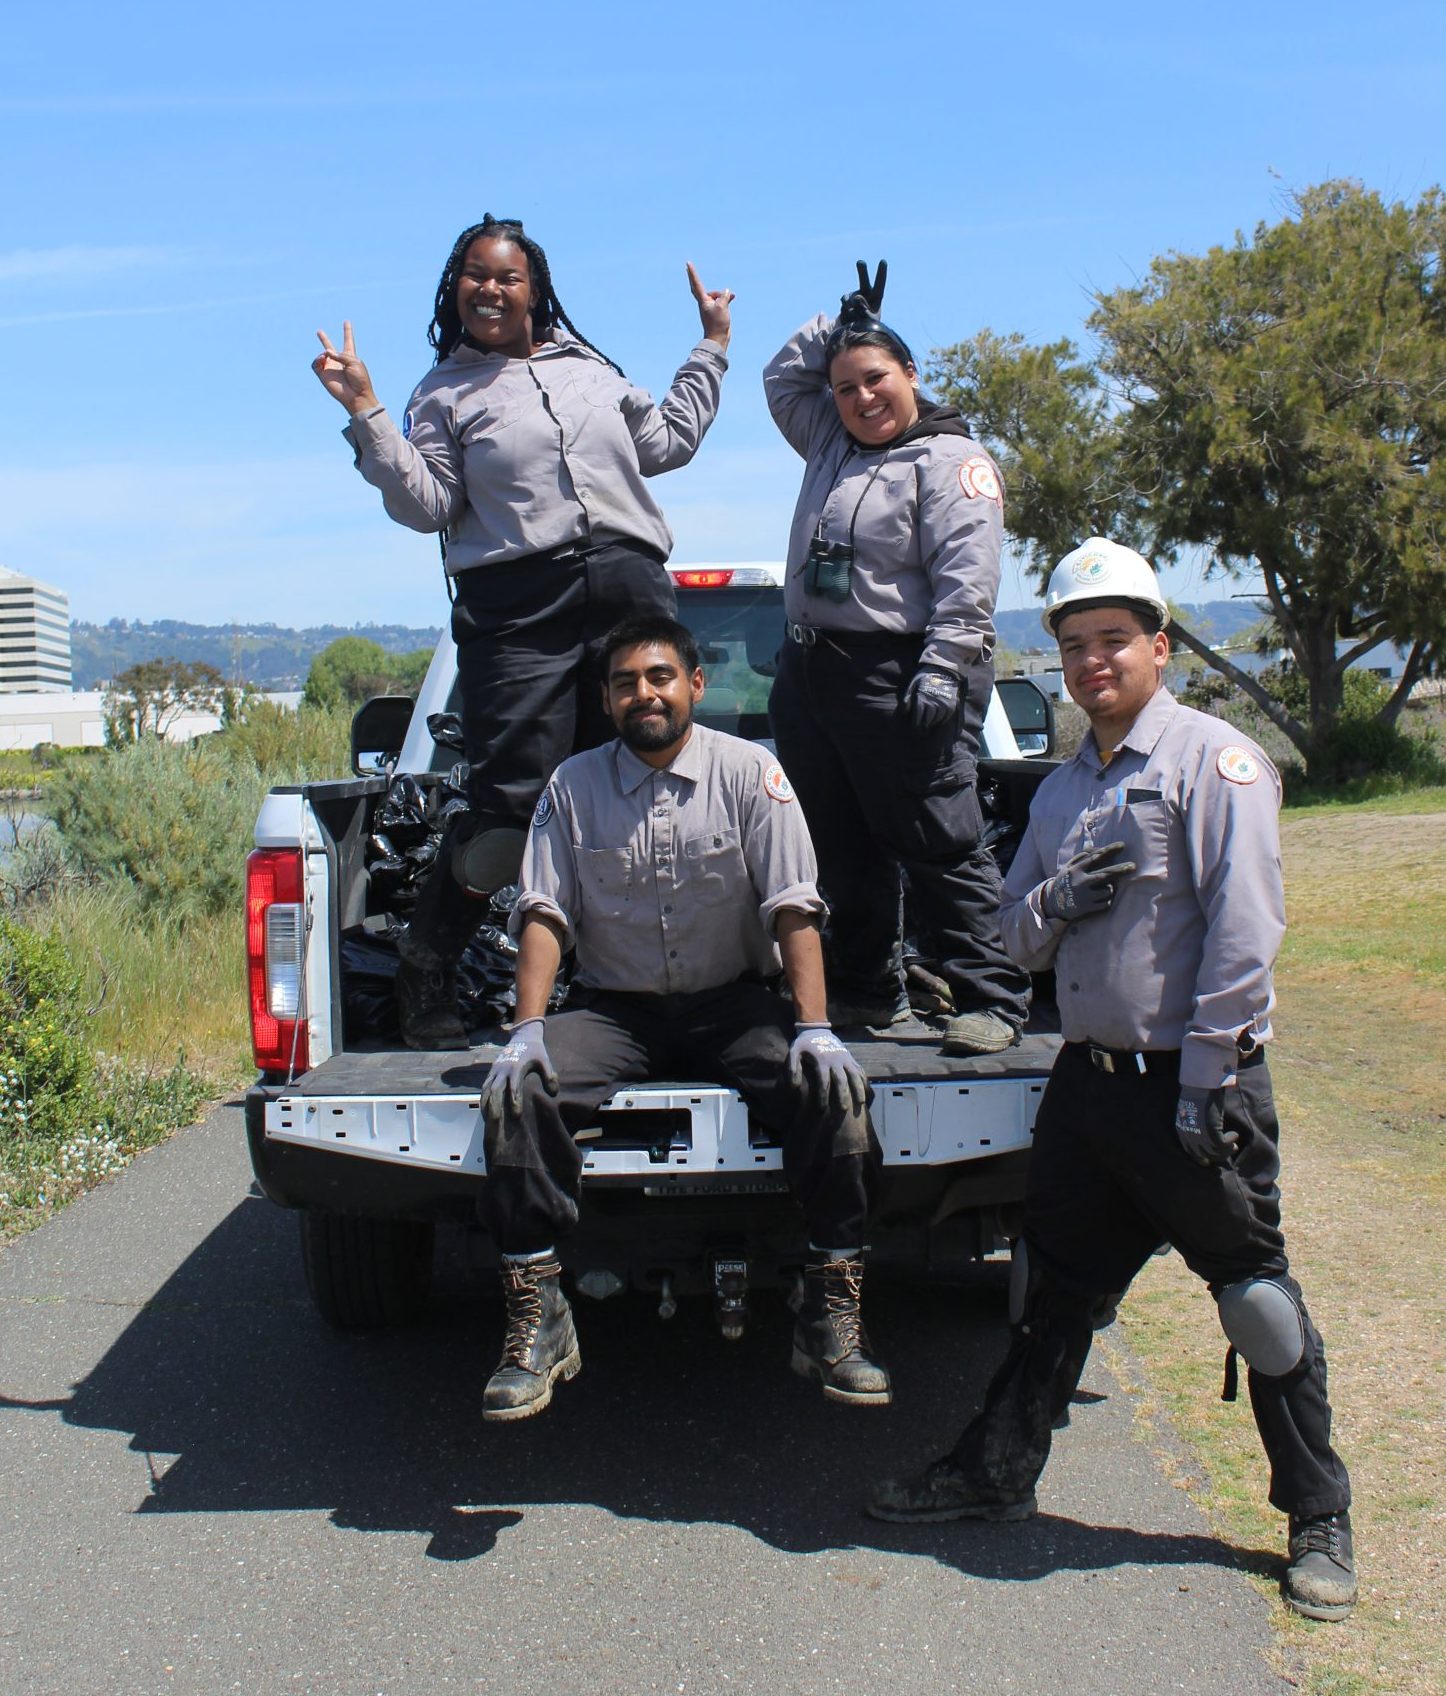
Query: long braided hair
{"points": [[445, 330]]}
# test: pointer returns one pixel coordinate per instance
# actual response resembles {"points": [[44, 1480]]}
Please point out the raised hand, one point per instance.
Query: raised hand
{"points": [[873, 292], [342, 374], [713, 309], [861, 308]]}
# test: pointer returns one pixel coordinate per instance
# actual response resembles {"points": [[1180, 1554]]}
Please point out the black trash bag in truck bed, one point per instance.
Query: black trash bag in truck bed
{"points": [[406, 837]]}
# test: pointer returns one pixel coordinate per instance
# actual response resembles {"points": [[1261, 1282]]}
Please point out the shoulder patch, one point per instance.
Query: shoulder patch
{"points": [[1237, 765], [980, 481], [775, 781], [543, 811], [407, 425]]}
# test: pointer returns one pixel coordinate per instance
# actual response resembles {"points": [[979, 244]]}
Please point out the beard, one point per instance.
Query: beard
{"points": [[647, 732]]}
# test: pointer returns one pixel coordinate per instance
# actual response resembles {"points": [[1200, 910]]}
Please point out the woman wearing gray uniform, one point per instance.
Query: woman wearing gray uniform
{"points": [[893, 570], [526, 448]]}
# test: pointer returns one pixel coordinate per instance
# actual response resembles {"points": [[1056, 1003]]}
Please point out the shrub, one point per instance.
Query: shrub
{"points": [[45, 1060], [287, 747], [175, 821]]}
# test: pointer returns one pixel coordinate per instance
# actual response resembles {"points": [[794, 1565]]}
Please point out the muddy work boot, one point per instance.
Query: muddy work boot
{"points": [[942, 1492], [541, 1344], [979, 1033], [1320, 1581], [829, 1341]]}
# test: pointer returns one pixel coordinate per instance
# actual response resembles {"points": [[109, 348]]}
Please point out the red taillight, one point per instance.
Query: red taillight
{"points": [[276, 959], [702, 579]]}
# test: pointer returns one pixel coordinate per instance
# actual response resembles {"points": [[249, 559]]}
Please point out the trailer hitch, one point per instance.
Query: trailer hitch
{"points": [[730, 1296]]}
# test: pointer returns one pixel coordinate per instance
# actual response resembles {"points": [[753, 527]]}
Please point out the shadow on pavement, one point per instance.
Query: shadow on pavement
{"points": [[228, 1370]]}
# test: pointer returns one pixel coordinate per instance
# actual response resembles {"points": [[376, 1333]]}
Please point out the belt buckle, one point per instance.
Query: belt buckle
{"points": [[1101, 1058], [804, 634]]}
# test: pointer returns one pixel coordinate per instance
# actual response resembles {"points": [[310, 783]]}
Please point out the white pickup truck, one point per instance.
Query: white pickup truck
{"points": [[375, 1145]]}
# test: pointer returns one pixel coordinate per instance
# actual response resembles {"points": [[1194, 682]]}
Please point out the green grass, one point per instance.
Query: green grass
{"points": [[1361, 1083]]}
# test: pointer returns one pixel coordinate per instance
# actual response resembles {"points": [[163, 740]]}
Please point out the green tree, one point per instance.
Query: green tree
{"points": [[148, 698], [1279, 403], [351, 669]]}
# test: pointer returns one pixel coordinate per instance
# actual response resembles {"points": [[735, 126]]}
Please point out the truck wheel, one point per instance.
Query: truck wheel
{"points": [[366, 1273]]}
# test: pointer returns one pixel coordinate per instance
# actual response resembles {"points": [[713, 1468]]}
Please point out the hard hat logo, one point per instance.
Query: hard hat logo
{"points": [[1090, 570], [1100, 570]]}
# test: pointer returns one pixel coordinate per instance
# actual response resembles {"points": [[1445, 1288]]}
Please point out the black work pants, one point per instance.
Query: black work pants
{"points": [[879, 796], [1108, 1183], [529, 666], [738, 1035]]}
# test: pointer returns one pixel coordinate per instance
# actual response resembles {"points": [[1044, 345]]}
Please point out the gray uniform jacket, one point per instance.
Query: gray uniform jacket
{"points": [[927, 529], [1183, 957], [669, 881], [515, 456]]}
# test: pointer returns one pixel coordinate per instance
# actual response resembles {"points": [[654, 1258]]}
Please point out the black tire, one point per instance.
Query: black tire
{"points": [[364, 1274]]}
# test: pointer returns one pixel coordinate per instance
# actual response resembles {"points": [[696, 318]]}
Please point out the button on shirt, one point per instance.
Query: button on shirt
{"points": [[1183, 957], [669, 881], [927, 519], [516, 456]]}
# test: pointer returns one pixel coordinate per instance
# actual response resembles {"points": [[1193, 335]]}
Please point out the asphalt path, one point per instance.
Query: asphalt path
{"points": [[203, 1490]]}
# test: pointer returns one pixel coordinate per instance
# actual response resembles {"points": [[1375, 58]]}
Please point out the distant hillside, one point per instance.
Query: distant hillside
{"points": [[1212, 622], [268, 656]]}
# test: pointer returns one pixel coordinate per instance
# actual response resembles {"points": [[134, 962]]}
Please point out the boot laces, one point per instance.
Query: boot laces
{"points": [[842, 1290], [524, 1308], [1319, 1536]]}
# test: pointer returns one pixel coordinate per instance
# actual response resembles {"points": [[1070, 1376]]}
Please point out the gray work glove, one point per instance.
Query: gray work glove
{"points": [[861, 308], [1200, 1126], [837, 1078], [1085, 883], [525, 1052], [932, 699]]}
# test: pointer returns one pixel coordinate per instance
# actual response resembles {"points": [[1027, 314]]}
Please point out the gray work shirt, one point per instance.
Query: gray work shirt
{"points": [[669, 880], [927, 518], [515, 456], [1183, 957]]}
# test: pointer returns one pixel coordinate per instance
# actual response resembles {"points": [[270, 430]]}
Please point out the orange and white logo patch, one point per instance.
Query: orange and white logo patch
{"points": [[1237, 765], [775, 781], [980, 481]]}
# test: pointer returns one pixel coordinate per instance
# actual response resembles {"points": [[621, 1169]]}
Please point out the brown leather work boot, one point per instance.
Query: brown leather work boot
{"points": [[829, 1340], [541, 1344]]}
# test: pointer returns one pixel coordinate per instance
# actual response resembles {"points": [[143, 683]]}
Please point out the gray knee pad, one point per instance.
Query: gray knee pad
{"points": [[1265, 1325], [486, 861]]}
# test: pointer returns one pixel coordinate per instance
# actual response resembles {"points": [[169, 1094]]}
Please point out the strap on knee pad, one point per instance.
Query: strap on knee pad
{"points": [[486, 860], [1265, 1323]]}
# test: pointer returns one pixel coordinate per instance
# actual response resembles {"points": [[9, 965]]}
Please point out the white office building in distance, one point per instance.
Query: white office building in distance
{"points": [[34, 636]]}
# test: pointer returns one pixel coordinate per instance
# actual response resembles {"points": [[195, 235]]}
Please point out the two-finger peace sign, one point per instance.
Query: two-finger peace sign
{"points": [[342, 374]]}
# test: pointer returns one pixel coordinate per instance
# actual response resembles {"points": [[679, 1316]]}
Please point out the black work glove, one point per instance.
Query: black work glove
{"points": [[1200, 1126], [1085, 883], [932, 698], [862, 307]]}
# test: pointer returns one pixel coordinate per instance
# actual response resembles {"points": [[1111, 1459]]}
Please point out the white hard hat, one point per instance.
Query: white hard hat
{"points": [[1101, 570]]}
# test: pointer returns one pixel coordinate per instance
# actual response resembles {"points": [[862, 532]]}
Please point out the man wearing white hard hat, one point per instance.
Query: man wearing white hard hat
{"points": [[1149, 881]]}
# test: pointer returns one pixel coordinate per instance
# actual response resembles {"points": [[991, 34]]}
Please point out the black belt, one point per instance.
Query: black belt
{"points": [[1138, 1062], [1127, 1061], [806, 635]]}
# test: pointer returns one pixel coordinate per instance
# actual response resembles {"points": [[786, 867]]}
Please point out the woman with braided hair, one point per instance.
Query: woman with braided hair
{"points": [[525, 448]]}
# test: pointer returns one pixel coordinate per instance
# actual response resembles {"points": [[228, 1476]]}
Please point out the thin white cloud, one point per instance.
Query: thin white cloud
{"points": [[168, 309], [46, 264]]}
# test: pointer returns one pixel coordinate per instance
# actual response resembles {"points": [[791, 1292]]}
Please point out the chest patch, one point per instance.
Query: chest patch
{"points": [[543, 810], [980, 481], [775, 781], [1237, 765]]}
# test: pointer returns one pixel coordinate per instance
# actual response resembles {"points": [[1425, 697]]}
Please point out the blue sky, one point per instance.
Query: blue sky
{"points": [[192, 191]]}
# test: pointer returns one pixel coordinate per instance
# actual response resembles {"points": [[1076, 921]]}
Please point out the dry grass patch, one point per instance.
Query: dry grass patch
{"points": [[1361, 1084]]}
